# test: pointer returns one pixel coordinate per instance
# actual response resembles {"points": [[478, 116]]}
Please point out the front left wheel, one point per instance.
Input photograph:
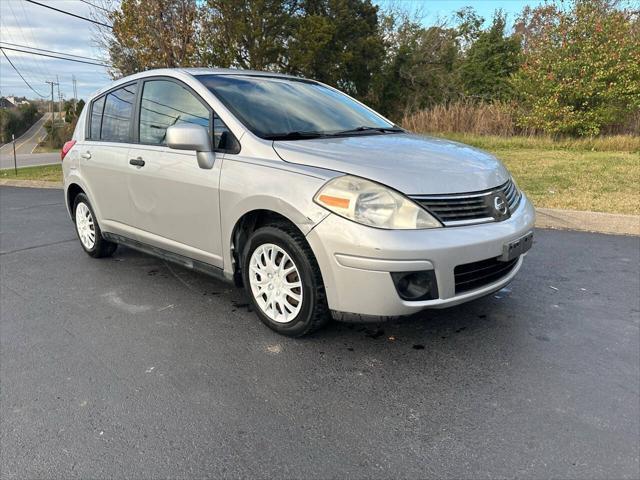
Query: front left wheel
{"points": [[88, 229], [283, 281]]}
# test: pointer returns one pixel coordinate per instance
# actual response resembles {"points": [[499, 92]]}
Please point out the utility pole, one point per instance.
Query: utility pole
{"points": [[75, 93], [53, 113], [59, 97], [15, 162]]}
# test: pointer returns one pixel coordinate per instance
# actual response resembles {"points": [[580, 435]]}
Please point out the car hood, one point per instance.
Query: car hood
{"points": [[409, 163]]}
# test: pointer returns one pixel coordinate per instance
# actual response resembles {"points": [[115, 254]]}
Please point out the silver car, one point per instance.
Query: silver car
{"points": [[312, 201]]}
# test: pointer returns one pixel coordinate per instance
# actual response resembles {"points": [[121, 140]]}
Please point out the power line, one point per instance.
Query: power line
{"points": [[24, 37], [31, 36], [69, 13], [20, 62], [96, 6], [51, 51], [53, 56], [18, 72]]}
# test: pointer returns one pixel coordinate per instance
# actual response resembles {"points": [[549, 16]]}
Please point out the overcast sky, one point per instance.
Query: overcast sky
{"points": [[24, 23]]}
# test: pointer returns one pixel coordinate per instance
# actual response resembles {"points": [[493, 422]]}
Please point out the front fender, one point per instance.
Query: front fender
{"points": [[246, 187]]}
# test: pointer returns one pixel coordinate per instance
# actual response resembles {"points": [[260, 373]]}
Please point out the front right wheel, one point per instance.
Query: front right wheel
{"points": [[283, 281]]}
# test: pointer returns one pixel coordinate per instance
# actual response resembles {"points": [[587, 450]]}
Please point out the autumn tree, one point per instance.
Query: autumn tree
{"points": [[581, 69], [152, 34]]}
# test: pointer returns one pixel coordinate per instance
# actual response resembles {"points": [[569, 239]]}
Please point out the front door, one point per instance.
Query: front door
{"points": [[175, 202]]}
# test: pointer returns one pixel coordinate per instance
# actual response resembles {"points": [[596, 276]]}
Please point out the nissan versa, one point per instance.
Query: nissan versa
{"points": [[312, 201]]}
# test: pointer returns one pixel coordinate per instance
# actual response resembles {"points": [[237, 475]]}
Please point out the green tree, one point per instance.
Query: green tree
{"points": [[246, 34], [490, 61], [79, 107], [419, 70], [337, 42], [581, 69]]}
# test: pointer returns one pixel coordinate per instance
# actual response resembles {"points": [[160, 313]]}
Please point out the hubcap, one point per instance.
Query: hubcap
{"points": [[275, 283], [85, 226]]}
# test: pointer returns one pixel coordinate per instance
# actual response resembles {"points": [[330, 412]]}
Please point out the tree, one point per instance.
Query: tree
{"points": [[420, 68], [152, 34], [490, 61], [334, 41], [246, 34], [337, 42], [79, 107], [581, 69]]}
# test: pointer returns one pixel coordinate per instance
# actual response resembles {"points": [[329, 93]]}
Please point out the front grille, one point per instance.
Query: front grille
{"points": [[469, 208], [478, 274]]}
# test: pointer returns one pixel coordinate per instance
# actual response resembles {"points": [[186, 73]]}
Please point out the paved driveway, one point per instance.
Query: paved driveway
{"points": [[130, 367]]}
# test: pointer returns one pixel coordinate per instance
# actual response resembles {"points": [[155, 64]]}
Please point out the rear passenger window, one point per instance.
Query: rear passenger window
{"points": [[164, 104], [118, 110], [96, 119]]}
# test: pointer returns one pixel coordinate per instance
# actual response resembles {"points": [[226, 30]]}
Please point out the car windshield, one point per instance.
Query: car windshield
{"points": [[285, 108]]}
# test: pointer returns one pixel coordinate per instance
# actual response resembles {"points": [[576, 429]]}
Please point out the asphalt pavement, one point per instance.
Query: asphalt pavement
{"points": [[30, 160], [130, 367]]}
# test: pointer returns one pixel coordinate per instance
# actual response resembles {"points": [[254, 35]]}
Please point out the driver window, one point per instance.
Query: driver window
{"points": [[164, 104]]}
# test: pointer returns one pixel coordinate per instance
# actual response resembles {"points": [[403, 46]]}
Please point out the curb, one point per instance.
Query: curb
{"points": [[30, 183], [611, 223]]}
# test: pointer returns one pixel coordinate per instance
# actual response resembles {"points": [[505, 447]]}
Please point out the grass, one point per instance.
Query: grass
{"points": [[44, 148], [601, 174], [48, 173], [611, 143]]}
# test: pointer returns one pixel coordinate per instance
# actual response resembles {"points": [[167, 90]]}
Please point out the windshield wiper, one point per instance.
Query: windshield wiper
{"points": [[370, 129], [296, 135]]}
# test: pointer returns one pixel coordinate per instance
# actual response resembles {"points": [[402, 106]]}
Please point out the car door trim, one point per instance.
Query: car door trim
{"points": [[172, 257]]}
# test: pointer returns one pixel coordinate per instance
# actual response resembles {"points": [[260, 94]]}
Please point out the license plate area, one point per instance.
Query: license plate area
{"points": [[517, 247]]}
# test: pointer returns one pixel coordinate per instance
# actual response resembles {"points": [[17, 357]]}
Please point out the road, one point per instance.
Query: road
{"points": [[29, 139], [25, 145], [133, 368]]}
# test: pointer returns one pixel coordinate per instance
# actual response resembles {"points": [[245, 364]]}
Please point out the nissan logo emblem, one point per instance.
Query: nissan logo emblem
{"points": [[500, 205]]}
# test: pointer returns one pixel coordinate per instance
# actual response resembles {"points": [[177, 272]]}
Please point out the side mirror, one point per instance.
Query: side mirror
{"points": [[192, 137]]}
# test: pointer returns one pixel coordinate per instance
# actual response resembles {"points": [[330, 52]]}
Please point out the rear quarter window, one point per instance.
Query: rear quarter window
{"points": [[96, 118]]}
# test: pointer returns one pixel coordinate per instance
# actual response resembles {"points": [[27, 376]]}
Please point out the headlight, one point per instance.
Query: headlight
{"points": [[372, 204]]}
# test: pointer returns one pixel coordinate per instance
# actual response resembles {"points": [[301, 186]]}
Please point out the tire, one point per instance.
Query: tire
{"points": [[88, 230], [287, 315]]}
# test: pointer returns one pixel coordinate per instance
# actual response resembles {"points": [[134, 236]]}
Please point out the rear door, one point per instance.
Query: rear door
{"points": [[103, 157], [175, 202]]}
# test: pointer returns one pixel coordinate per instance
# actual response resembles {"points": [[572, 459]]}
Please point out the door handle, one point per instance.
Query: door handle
{"points": [[138, 162], [86, 155]]}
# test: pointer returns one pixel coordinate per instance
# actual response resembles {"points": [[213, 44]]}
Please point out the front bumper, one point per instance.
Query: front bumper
{"points": [[356, 261]]}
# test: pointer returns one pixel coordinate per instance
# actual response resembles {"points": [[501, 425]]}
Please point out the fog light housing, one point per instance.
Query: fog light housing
{"points": [[416, 286]]}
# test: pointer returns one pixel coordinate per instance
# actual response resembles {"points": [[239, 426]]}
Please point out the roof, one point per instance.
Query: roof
{"points": [[188, 71], [232, 71]]}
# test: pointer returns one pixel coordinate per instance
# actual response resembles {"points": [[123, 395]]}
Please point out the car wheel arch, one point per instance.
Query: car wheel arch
{"points": [[244, 226], [73, 190]]}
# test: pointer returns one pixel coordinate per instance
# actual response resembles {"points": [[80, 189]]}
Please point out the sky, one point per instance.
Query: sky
{"points": [[24, 23]]}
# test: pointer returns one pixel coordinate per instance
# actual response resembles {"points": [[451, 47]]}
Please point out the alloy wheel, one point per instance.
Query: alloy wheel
{"points": [[85, 226], [275, 283]]}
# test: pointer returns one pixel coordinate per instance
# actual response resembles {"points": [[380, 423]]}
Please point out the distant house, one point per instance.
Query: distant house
{"points": [[12, 102], [6, 103]]}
